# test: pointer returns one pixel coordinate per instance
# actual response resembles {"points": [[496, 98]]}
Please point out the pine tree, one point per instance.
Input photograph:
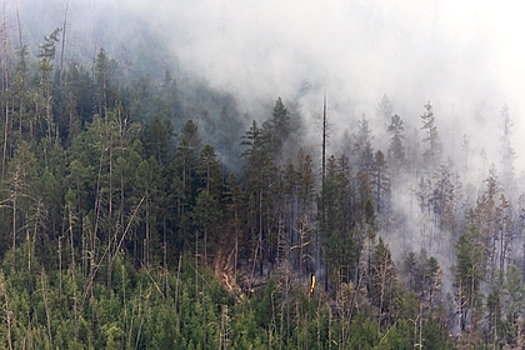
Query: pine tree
{"points": [[486, 213], [278, 128], [157, 139], [380, 182], [208, 217], [432, 154], [363, 146], [469, 275], [185, 164], [234, 219], [103, 76], [262, 179], [305, 219], [383, 279], [47, 54], [514, 302], [150, 184], [21, 94], [21, 178], [207, 200], [396, 148], [443, 197], [384, 110], [506, 150]]}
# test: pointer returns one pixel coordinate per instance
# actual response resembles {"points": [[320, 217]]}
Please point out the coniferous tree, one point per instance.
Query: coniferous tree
{"points": [[277, 128], [396, 148], [486, 219], [363, 146], [336, 228], [45, 86], [261, 178], [20, 85], [150, 184], [443, 197], [383, 279], [76, 98], [514, 303], [207, 200], [432, 154], [157, 139], [506, 150], [207, 215], [185, 163], [380, 182], [305, 219], [103, 76], [384, 110], [234, 220], [469, 275], [21, 189]]}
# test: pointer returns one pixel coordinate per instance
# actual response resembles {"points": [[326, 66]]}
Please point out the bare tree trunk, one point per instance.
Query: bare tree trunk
{"points": [[6, 134], [60, 268], [14, 195], [73, 271], [177, 295], [196, 266], [5, 88], [46, 306], [323, 213], [63, 41]]}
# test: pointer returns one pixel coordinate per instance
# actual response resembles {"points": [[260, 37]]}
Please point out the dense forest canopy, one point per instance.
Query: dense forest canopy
{"points": [[152, 198]]}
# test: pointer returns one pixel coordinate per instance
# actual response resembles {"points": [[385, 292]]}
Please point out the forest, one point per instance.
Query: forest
{"points": [[141, 208]]}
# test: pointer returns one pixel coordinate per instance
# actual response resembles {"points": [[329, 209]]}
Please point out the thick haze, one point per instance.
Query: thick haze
{"points": [[465, 57]]}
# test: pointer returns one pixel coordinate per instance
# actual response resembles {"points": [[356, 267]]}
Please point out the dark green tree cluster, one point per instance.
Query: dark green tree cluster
{"points": [[138, 213]]}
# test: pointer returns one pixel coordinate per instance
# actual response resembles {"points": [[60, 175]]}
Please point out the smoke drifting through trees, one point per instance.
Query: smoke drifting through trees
{"points": [[405, 170]]}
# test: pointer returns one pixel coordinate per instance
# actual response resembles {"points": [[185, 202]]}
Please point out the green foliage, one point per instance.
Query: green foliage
{"points": [[432, 154], [363, 333], [396, 148], [469, 269], [120, 230]]}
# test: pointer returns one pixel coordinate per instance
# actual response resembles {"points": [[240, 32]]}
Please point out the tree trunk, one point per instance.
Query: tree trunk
{"points": [[63, 48]]}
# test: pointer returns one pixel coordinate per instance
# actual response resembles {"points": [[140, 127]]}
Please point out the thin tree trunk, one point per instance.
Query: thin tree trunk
{"points": [[5, 88], [177, 296], [73, 271], [60, 268], [46, 306], [15, 197], [6, 136], [63, 41]]}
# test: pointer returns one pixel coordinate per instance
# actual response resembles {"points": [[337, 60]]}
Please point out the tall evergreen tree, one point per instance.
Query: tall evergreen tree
{"points": [[262, 180], [185, 164], [278, 128], [363, 148], [21, 187], [468, 276], [157, 139], [506, 150], [380, 181], [383, 280], [432, 154], [103, 76], [384, 113], [396, 148], [443, 197]]}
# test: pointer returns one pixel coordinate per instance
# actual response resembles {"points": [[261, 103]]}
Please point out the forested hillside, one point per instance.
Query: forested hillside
{"points": [[143, 209]]}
